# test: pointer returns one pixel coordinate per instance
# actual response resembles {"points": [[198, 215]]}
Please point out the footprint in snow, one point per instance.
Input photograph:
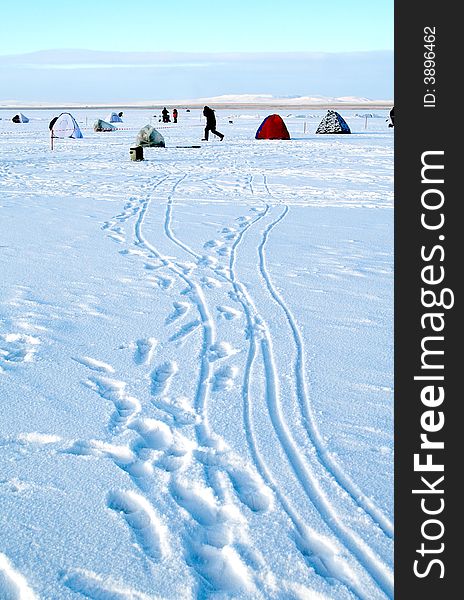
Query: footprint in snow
{"points": [[208, 261], [126, 406], [248, 485], [176, 450], [208, 549], [223, 378], [179, 310], [222, 569], [18, 348], [147, 528], [210, 282], [220, 350], [144, 350], [213, 244], [180, 410], [228, 313], [165, 283], [161, 377]]}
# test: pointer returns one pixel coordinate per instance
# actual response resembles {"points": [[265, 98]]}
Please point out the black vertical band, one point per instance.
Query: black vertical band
{"points": [[428, 326]]}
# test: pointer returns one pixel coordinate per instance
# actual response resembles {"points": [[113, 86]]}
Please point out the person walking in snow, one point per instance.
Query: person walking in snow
{"points": [[210, 124], [174, 115]]}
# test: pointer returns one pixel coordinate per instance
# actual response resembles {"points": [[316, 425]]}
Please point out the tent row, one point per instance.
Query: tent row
{"points": [[272, 128], [113, 117]]}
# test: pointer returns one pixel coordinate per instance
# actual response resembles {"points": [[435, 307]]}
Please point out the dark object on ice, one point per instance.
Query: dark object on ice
{"points": [[187, 110], [174, 115], [211, 124], [333, 123], [136, 153], [166, 117], [101, 125], [120, 114], [188, 146], [230, 121], [392, 117], [52, 122], [272, 128], [20, 118], [149, 137]]}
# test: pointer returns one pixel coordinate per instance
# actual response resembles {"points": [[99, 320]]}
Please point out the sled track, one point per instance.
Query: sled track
{"points": [[260, 344], [309, 421], [308, 482], [254, 347], [363, 553]]}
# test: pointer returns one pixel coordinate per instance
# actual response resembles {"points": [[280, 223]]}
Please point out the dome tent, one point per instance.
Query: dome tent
{"points": [[333, 123], [65, 126], [114, 118], [20, 118], [150, 138], [101, 125], [272, 128]]}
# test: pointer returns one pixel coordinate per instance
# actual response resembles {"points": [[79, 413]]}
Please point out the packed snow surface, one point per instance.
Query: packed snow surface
{"points": [[196, 361]]}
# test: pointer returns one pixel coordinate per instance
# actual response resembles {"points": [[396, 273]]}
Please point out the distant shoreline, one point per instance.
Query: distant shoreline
{"points": [[381, 105]]}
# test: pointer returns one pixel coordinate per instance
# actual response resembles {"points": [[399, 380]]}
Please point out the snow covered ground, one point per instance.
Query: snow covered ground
{"points": [[196, 361]]}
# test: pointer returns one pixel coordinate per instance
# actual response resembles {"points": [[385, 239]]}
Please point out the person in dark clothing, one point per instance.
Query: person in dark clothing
{"points": [[210, 124], [165, 114], [392, 117], [174, 115]]}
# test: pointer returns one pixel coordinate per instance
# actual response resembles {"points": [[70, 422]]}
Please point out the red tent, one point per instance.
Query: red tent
{"points": [[272, 128]]}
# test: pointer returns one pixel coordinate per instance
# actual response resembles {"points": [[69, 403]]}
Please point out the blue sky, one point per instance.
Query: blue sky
{"points": [[306, 48], [189, 26]]}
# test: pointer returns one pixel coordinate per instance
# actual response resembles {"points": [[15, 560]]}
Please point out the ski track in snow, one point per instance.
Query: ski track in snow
{"points": [[308, 416], [223, 380], [354, 544], [221, 568], [213, 509]]}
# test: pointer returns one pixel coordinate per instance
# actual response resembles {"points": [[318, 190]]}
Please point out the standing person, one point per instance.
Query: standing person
{"points": [[210, 124], [165, 114], [392, 117], [174, 115]]}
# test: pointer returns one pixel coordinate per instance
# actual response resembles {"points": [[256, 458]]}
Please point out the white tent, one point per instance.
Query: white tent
{"points": [[113, 118], [149, 137], [66, 126]]}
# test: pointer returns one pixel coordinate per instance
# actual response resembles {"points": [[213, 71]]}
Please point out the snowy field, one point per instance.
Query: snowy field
{"points": [[196, 361]]}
